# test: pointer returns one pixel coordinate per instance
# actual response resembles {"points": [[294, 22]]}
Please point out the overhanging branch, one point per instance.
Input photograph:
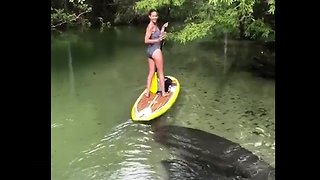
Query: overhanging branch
{"points": [[74, 19]]}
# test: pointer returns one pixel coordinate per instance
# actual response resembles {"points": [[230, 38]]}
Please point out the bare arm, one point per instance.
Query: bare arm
{"points": [[147, 39]]}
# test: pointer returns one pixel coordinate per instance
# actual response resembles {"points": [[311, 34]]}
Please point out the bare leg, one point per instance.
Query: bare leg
{"points": [[158, 58], [150, 75]]}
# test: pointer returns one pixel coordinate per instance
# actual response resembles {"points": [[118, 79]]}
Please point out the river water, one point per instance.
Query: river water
{"points": [[97, 76]]}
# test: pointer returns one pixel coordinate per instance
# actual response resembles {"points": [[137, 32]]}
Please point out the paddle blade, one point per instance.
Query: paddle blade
{"points": [[154, 83]]}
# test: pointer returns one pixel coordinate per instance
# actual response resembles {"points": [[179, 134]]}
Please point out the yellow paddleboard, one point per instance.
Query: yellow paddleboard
{"points": [[149, 108]]}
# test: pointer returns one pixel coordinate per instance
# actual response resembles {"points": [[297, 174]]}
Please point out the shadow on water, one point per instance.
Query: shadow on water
{"points": [[208, 156]]}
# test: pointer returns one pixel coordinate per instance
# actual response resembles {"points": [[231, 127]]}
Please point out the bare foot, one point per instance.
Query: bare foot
{"points": [[164, 94], [147, 94]]}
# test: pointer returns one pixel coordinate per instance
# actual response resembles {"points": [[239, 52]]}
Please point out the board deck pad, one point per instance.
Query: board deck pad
{"points": [[156, 99]]}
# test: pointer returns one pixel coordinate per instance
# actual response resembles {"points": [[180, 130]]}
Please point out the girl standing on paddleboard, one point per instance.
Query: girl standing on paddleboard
{"points": [[153, 38]]}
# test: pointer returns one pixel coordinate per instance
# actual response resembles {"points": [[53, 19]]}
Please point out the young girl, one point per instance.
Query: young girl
{"points": [[153, 38]]}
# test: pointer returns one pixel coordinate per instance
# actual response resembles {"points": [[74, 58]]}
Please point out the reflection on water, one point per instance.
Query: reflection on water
{"points": [[97, 76], [72, 90]]}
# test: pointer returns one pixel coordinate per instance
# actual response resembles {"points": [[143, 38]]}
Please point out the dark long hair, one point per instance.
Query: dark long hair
{"points": [[152, 10]]}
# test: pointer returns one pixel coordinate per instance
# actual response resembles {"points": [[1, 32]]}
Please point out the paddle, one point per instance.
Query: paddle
{"points": [[162, 42], [154, 81]]}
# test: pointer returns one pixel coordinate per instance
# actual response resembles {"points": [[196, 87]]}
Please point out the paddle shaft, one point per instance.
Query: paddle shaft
{"points": [[162, 43]]}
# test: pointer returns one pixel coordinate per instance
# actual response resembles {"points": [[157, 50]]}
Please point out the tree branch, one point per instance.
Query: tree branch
{"points": [[74, 19]]}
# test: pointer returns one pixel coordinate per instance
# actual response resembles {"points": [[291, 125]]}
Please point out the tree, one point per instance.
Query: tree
{"points": [[68, 12], [216, 17]]}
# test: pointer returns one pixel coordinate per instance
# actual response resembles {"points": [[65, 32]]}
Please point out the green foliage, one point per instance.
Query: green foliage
{"points": [[192, 31], [79, 1], [228, 2], [250, 18], [145, 5], [258, 29], [272, 6], [209, 17], [73, 17], [245, 7], [125, 11]]}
